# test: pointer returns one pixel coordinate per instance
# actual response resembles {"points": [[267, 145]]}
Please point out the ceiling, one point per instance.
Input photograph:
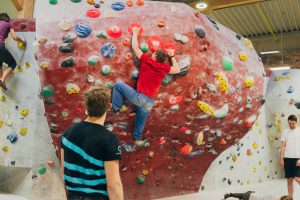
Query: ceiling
{"points": [[8, 7]]}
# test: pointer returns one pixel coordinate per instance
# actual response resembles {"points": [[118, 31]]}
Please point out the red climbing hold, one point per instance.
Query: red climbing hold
{"points": [[93, 13], [135, 25], [183, 129], [140, 2], [186, 149], [170, 46], [175, 100], [114, 31], [129, 3], [154, 43]]}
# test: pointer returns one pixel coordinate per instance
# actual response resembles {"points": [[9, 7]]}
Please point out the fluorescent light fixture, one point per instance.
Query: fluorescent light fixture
{"points": [[279, 68], [201, 5], [268, 52]]}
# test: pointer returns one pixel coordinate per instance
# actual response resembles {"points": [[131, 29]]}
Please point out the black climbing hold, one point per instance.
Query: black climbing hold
{"points": [[262, 101], [66, 48], [68, 62], [70, 37], [13, 163], [297, 105], [238, 36], [23, 26], [34, 176], [97, 5], [200, 31], [229, 182], [213, 22]]}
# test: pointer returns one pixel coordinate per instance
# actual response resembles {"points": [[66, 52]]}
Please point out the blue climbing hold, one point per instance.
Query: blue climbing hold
{"points": [[135, 75], [117, 6], [290, 90], [285, 73], [83, 30], [13, 137], [108, 50]]}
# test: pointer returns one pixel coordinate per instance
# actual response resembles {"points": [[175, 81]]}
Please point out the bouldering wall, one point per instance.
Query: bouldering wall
{"points": [[28, 163], [199, 113]]}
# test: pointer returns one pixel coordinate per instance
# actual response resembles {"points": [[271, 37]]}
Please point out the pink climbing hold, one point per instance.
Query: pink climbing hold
{"points": [[93, 13], [135, 25], [114, 31], [154, 43]]}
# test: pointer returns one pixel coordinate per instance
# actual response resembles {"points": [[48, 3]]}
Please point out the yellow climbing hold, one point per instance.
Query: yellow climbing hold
{"points": [[19, 68], [234, 157], [200, 138], [24, 112], [2, 98], [249, 81], [265, 168], [44, 65], [27, 65], [260, 131], [72, 88], [260, 162], [248, 182], [257, 124], [23, 131], [21, 45], [5, 148], [123, 108], [1, 123], [242, 56], [248, 43], [205, 108], [145, 172], [254, 169], [223, 82], [255, 145]]}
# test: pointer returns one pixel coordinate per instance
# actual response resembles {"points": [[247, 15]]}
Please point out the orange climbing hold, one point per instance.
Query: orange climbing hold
{"points": [[161, 23], [126, 42], [223, 141], [50, 163], [128, 56], [91, 2], [140, 2], [129, 3], [186, 149]]}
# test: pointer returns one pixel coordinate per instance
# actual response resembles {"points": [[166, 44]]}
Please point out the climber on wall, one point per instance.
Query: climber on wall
{"points": [[5, 55], [250, 195], [152, 71]]}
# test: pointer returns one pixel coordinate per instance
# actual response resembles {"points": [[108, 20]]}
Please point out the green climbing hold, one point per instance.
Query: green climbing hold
{"points": [[76, 1], [93, 60], [101, 34], [227, 63], [42, 171], [65, 113], [169, 167], [140, 179], [48, 91], [144, 47], [106, 69], [167, 79], [53, 2]]}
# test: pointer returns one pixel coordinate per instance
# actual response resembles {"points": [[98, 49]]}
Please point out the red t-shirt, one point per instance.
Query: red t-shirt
{"points": [[151, 75]]}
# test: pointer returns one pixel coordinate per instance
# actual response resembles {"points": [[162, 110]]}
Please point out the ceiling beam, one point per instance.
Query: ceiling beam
{"points": [[220, 4], [18, 4], [27, 11]]}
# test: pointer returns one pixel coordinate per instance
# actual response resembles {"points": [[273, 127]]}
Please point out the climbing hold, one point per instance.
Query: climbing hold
{"points": [[123, 109], [126, 41], [186, 149], [27, 65], [93, 60], [135, 74], [65, 113], [234, 157], [243, 56], [23, 131], [24, 112], [108, 50], [72, 88], [200, 31], [213, 22], [76, 1], [221, 112], [181, 38], [199, 137], [175, 100], [93, 13], [249, 121], [290, 90], [19, 68], [48, 91], [227, 63], [66, 47], [297, 105], [144, 47], [140, 179], [101, 34], [249, 81], [223, 82], [204, 45], [223, 141], [249, 152], [21, 45], [167, 79], [53, 2], [175, 107], [83, 30], [205, 108], [105, 69], [130, 27], [161, 23], [2, 98], [114, 31], [128, 56], [97, 5], [5, 148], [238, 36], [128, 147], [91, 2], [50, 163], [211, 87], [42, 171], [140, 2], [68, 62], [65, 25], [255, 145], [70, 37], [154, 43], [118, 6], [43, 40], [129, 3], [248, 43], [13, 137], [1, 123]]}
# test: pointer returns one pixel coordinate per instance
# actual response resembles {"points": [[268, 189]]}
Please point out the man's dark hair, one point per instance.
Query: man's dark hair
{"points": [[286, 198], [4, 17], [96, 100], [161, 56], [292, 118]]}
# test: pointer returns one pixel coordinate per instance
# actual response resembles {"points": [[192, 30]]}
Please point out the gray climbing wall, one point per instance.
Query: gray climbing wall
{"points": [[24, 157]]}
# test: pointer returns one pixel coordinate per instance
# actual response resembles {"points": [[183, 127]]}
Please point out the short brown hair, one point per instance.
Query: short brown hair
{"points": [[4, 17], [160, 56], [292, 118], [96, 100], [286, 198]]}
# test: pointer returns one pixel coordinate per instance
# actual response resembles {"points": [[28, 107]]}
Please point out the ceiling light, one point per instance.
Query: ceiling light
{"points": [[279, 68], [201, 5], [268, 52]]}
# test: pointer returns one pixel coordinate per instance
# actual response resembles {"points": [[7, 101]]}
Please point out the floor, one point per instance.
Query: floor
{"points": [[277, 186]]}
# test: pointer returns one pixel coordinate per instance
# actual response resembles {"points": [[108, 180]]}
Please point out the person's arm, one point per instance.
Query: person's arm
{"points": [[175, 67], [14, 36], [282, 149], [114, 184], [62, 160], [135, 44]]}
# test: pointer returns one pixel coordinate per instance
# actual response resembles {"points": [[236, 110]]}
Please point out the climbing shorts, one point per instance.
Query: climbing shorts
{"points": [[290, 168], [6, 57]]}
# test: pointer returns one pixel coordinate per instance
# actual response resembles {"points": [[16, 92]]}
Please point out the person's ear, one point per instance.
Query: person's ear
{"points": [[109, 106]]}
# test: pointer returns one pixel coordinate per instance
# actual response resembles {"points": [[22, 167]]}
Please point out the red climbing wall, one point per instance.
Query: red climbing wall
{"points": [[167, 170]]}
